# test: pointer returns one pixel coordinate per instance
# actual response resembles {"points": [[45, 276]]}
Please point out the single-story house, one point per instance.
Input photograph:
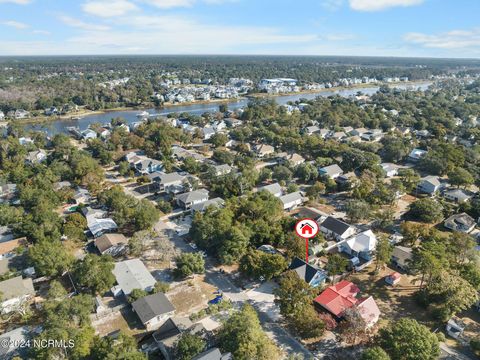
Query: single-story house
{"points": [[362, 245], [369, 311], [36, 157], [457, 195], [15, 292], [216, 202], [390, 169], [132, 274], [402, 256], [153, 310], [292, 200], [97, 223], [430, 184], [188, 199], [275, 189], [416, 154], [88, 134], [460, 222], [111, 244], [293, 159], [336, 228], [310, 130], [331, 171], [358, 132], [312, 275], [207, 132], [264, 150]]}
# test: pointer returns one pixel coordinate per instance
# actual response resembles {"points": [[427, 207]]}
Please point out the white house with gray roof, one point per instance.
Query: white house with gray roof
{"points": [[15, 292], [291, 201], [275, 189], [153, 310], [132, 274], [188, 199], [331, 171]]}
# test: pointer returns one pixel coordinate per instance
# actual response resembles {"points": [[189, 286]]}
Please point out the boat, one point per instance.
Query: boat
{"points": [[143, 114]]}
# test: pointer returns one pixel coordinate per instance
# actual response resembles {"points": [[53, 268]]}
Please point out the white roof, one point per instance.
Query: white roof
{"points": [[365, 241], [132, 274]]}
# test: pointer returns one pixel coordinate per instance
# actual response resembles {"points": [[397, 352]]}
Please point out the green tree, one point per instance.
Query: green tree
{"points": [[375, 353], [50, 258], [383, 252], [316, 190], [243, 336], [336, 265], [161, 286], [406, 339], [189, 264], [136, 294], [122, 348], [95, 273], [426, 210], [460, 177], [219, 139], [357, 210], [74, 227], [189, 346]]}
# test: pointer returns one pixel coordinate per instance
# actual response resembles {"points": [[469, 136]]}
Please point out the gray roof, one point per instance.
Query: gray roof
{"points": [[213, 354], [16, 287], [331, 170], [192, 196], [17, 337], [434, 180], [288, 198], [164, 178], [151, 306], [459, 194], [334, 225], [272, 188], [217, 202], [132, 274]]}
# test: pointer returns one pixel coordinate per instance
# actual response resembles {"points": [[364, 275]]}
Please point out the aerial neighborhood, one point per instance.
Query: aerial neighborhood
{"points": [[171, 236]]}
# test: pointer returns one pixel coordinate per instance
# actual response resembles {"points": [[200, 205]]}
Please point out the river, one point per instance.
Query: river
{"points": [[60, 126]]}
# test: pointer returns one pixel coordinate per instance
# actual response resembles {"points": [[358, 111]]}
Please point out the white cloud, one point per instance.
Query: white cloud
{"points": [[167, 4], [332, 5], [108, 8], [15, 24], [455, 39], [73, 22], [41, 32], [377, 5], [19, 2]]}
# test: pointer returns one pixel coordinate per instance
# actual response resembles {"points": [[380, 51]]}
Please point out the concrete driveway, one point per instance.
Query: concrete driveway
{"points": [[264, 299]]}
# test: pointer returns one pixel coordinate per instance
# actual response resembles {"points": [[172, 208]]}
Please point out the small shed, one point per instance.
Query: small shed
{"points": [[393, 278], [455, 328]]}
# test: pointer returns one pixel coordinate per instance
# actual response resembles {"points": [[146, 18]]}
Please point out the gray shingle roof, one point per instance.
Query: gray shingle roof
{"points": [[151, 306], [132, 274]]}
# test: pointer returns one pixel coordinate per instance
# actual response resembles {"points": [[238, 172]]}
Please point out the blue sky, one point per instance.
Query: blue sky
{"points": [[426, 28]]}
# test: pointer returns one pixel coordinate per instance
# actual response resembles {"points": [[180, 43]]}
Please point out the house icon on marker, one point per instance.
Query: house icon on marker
{"points": [[307, 229]]}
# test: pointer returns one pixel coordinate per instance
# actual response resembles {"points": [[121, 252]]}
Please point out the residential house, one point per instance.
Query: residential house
{"points": [[372, 135], [97, 222], [17, 340], [132, 274], [153, 310], [8, 244], [111, 244], [51, 111], [358, 132], [21, 114], [202, 207], [88, 134], [207, 132], [338, 135], [147, 166], [168, 334], [310, 274], [331, 171], [460, 222], [340, 297], [82, 196], [7, 192], [346, 179], [15, 293], [292, 200], [390, 169], [402, 256], [25, 141], [294, 159], [416, 154], [457, 195], [213, 354], [275, 189], [104, 133], [264, 150], [310, 130], [430, 185], [36, 157], [170, 183], [362, 245], [324, 133], [188, 199], [336, 228]]}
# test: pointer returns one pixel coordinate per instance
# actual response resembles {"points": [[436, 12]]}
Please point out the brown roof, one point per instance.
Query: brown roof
{"points": [[106, 241], [9, 246]]}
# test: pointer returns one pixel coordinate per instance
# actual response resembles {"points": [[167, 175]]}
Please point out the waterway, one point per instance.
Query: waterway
{"points": [[61, 126]]}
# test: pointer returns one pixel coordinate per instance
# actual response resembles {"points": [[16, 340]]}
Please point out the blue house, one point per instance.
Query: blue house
{"points": [[310, 274]]}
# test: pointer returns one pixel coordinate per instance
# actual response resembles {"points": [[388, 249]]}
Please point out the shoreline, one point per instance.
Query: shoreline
{"points": [[50, 119]]}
